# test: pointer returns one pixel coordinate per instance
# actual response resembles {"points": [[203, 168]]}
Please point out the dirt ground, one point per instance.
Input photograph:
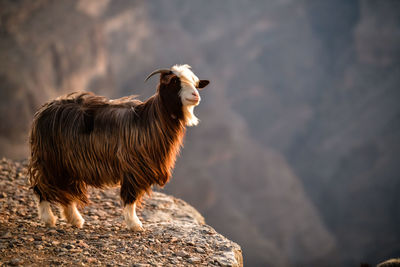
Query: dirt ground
{"points": [[175, 233]]}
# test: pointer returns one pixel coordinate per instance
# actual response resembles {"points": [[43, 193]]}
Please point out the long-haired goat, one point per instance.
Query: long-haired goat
{"points": [[83, 140]]}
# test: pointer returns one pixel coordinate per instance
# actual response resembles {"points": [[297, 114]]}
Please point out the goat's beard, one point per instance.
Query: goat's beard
{"points": [[190, 118]]}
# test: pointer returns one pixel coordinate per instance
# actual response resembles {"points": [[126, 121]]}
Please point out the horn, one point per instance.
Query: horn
{"points": [[157, 71]]}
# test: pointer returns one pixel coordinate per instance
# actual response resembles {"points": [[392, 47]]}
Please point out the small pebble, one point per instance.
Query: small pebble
{"points": [[194, 260], [6, 235], [199, 250], [182, 254], [15, 262], [69, 246]]}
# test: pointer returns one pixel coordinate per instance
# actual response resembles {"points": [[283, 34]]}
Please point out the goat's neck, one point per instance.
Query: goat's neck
{"points": [[170, 111], [166, 135]]}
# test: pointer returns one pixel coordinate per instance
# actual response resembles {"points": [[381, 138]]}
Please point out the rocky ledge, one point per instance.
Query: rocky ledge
{"points": [[175, 233]]}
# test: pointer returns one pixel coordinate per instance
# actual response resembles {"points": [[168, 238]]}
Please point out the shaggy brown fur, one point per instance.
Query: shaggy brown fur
{"points": [[83, 140]]}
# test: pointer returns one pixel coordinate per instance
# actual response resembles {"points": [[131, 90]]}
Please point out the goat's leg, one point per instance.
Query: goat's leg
{"points": [[45, 213], [44, 209], [131, 219], [128, 196], [72, 215]]}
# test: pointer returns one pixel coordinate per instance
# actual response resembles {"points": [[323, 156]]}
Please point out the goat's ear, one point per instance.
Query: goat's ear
{"points": [[203, 83]]}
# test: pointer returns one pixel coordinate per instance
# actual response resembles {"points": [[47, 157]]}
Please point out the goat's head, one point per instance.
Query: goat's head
{"points": [[179, 87]]}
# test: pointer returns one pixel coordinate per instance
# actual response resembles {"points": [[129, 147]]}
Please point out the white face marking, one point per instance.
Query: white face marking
{"points": [[72, 215], [45, 213], [131, 219], [190, 96]]}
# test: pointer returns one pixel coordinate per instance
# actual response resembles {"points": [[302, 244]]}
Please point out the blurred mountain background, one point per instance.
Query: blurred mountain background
{"points": [[296, 156]]}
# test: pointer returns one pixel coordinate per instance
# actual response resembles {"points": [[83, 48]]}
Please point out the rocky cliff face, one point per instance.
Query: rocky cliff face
{"points": [[175, 233], [297, 142]]}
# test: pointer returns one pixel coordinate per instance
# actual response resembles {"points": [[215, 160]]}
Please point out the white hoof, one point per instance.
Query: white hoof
{"points": [[49, 221], [77, 222], [136, 225], [132, 220], [72, 215], [46, 215]]}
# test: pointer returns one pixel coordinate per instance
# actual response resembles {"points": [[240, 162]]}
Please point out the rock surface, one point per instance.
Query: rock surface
{"points": [[175, 233]]}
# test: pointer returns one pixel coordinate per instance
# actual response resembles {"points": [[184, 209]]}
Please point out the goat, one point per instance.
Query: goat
{"points": [[83, 140]]}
